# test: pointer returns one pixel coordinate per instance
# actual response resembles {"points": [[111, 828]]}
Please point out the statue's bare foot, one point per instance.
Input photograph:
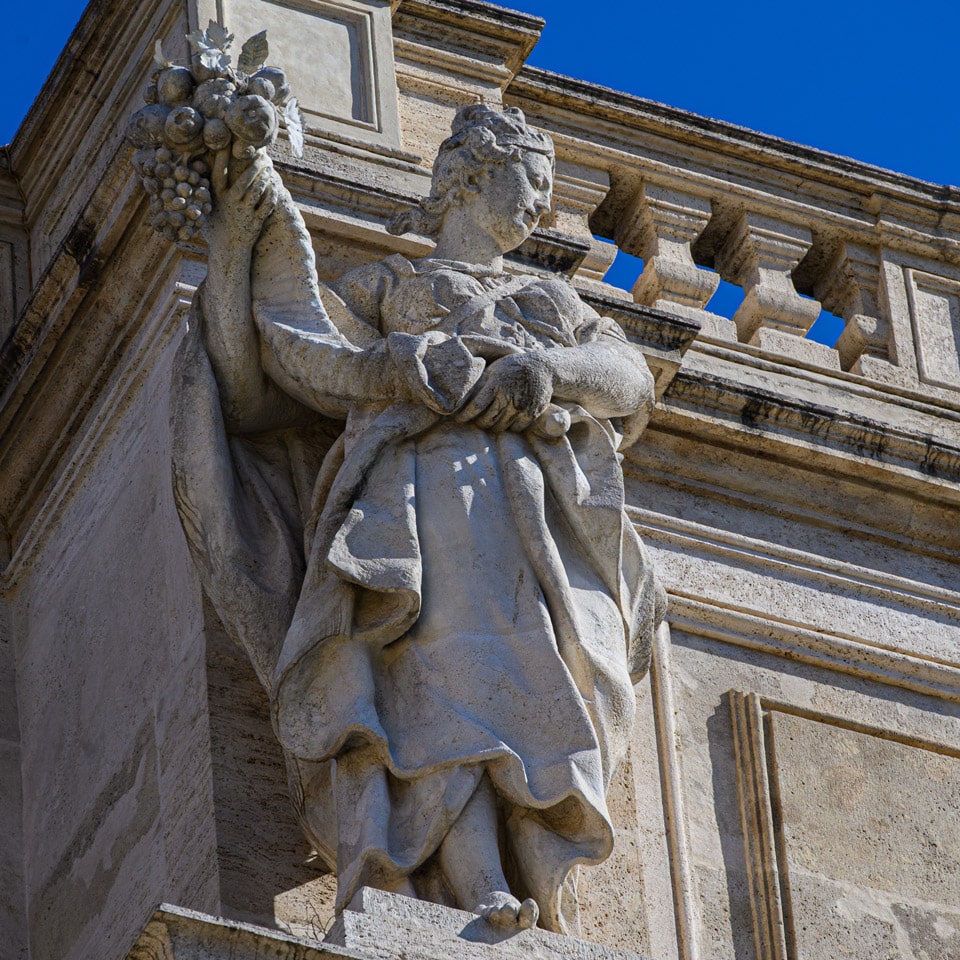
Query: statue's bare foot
{"points": [[506, 912]]}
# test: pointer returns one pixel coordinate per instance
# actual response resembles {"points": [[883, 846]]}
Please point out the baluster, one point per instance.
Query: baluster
{"points": [[760, 255], [660, 225], [578, 190], [850, 288]]}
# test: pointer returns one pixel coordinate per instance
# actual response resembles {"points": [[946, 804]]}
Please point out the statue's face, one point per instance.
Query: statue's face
{"points": [[513, 197]]}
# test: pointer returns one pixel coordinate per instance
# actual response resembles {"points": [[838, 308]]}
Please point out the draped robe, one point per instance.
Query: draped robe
{"points": [[426, 602]]}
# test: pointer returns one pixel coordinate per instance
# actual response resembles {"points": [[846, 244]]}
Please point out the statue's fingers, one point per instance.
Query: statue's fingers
{"points": [[504, 420], [521, 422], [491, 416], [249, 180], [267, 200], [477, 404], [248, 185]]}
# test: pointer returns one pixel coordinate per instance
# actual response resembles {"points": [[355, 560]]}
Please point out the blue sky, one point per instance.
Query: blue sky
{"points": [[875, 81]]}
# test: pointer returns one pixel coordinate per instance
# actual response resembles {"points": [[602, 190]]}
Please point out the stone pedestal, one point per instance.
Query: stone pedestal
{"points": [[381, 926], [375, 926]]}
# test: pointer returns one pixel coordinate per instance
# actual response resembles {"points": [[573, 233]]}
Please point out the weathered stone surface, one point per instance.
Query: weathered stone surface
{"points": [[174, 933], [446, 739], [801, 506], [375, 922]]}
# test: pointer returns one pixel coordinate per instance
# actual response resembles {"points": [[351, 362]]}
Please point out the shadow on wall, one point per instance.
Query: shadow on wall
{"points": [[626, 268]]}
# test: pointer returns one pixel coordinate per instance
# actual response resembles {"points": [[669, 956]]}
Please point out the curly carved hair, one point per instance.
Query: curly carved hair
{"points": [[480, 136]]}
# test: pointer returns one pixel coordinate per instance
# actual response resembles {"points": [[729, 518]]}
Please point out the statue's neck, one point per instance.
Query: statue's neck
{"points": [[461, 238]]}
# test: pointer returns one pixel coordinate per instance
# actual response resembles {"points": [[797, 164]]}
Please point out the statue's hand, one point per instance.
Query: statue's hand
{"points": [[513, 392], [241, 209], [439, 373]]}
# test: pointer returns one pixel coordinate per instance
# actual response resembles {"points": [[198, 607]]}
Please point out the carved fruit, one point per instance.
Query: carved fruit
{"points": [[145, 128], [243, 150], [151, 94], [216, 134], [213, 97], [175, 85], [183, 125], [261, 87], [141, 158], [279, 81], [253, 119]]}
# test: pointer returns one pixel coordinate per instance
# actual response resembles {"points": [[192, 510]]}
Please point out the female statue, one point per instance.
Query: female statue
{"points": [[448, 605]]}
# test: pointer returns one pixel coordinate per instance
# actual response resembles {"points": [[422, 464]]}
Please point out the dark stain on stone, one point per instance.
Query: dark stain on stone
{"points": [[755, 411], [80, 244], [931, 934], [66, 903]]}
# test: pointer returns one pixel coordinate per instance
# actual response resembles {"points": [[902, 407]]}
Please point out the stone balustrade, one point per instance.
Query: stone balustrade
{"points": [[799, 230]]}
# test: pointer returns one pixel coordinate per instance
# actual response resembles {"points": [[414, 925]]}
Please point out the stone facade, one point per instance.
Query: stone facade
{"points": [[791, 789]]}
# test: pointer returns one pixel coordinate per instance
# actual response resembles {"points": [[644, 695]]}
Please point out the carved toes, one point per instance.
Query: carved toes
{"points": [[507, 913]]}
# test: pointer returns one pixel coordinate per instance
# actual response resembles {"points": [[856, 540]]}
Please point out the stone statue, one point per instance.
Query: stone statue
{"points": [[404, 498]]}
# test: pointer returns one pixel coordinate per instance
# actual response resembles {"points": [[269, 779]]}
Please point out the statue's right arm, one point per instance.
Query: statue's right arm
{"points": [[250, 401], [261, 264]]}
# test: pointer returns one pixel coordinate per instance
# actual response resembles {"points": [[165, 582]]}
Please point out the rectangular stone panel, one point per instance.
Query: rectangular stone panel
{"points": [[337, 54], [863, 860], [935, 311]]}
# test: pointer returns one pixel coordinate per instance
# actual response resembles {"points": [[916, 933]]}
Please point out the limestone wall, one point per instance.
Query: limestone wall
{"points": [[792, 789]]}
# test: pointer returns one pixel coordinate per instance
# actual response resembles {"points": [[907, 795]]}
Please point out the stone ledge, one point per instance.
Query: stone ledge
{"points": [[175, 933], [384, 926], [375, 926]]}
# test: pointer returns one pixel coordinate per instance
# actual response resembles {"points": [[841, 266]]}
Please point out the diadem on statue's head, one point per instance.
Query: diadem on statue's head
{"points": [[480, 137]]}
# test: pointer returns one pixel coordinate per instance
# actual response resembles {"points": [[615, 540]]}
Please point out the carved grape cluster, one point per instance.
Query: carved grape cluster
{"points": [[199, 113], [179, 191]]}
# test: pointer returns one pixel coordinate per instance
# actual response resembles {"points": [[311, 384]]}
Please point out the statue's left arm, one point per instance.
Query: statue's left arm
{"points": [[603, 373]]}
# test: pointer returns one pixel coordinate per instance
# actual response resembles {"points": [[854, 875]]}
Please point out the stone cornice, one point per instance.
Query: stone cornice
{"points": [[747, 629], [77, 122], [92, 395], [174, 933], [749, 409], [470, 26], [633, 112]]}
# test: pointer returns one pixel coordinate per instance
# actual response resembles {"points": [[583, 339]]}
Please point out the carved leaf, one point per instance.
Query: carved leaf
{"points": [[158, 58], [211, 56], [294, 124], [218, 37], [254, 53]]}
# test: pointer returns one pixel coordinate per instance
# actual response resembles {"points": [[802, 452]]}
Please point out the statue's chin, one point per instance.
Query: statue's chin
{"points": [[513, 236]]}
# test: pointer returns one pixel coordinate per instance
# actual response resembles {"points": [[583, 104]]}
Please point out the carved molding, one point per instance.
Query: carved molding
{"points": [[346, 83], [756, 820], [749, 407], [763, 633], [173, 933], [935, 314]]}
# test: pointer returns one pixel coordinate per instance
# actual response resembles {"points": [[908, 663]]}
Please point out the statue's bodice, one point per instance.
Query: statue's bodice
{"points": [[472, 301]]}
